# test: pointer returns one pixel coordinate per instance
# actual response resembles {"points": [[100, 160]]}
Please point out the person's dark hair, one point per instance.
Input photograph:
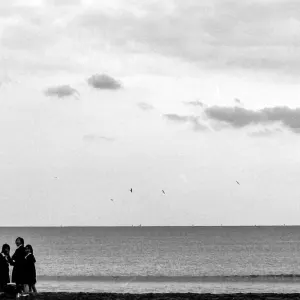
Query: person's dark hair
{"points": [[21, 240], [30, 248], [5, 246]]}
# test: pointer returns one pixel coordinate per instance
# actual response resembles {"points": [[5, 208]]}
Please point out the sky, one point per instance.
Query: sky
{"points": [[101, 96]]}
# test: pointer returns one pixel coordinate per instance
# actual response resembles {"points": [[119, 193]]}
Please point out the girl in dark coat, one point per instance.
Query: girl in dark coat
{"points": [[4, 266], [29, 270], [18, 261]]}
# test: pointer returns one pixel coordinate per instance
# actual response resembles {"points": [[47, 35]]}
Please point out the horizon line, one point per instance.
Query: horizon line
{"points": [[139, 226]]}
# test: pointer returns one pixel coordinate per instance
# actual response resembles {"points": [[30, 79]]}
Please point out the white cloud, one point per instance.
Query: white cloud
{"points": [[61, 91], [103, 82], [145, 106]]}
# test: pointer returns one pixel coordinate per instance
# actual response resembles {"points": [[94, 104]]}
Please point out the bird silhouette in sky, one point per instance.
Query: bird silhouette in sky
{"points": [[112, 200], [237, 182], [163, 191], [130, 190]]}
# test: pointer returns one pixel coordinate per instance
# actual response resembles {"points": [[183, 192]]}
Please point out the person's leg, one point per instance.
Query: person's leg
{"points": [[26, 288], [34, 288]]}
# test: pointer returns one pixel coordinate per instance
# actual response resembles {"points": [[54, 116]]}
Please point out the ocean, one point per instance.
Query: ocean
{"points": [[163, 259]]}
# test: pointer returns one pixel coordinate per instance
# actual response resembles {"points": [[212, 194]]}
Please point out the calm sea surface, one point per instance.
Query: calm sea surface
{"points": [[163, 259]]}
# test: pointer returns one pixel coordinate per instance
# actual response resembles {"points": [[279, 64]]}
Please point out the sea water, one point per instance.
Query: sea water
{"points": [[163, 259]]}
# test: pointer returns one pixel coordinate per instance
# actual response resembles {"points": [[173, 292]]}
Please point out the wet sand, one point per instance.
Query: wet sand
{"points": [[177, 296]]}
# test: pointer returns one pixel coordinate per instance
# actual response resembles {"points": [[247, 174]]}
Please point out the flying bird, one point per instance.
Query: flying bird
{"points": [[112, 200], [237, 182], [130, 190], [163, 191]]}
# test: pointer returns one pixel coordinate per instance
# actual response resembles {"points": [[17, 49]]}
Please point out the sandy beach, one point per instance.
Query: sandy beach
{"points": [[158, 296]]}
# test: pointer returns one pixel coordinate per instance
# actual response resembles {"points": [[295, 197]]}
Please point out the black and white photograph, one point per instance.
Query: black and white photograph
{"points": [[150, 149]]}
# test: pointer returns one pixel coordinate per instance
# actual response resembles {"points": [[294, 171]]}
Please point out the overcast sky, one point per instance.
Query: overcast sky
{"points": [[100, 96]]}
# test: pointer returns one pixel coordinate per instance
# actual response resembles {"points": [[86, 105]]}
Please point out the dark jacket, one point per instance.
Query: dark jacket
{"points": [[30, 272], [19, 262], [4, 270]]}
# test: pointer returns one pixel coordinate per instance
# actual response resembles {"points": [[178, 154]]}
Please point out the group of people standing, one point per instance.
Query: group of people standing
{"points": [[23, 262]]}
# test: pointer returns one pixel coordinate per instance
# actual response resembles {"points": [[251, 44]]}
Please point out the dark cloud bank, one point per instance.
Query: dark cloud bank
{"points": [[239, 117], [255, 35]]}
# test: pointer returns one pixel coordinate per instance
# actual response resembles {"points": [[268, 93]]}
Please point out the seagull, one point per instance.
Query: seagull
{"points": [[130, 190], [112, 200], [163, 191], [55, 177], [237, 182]]}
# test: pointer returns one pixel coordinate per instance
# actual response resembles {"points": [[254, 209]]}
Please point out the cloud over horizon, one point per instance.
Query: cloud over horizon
{"points": [[264, 132], [237, 101], [5, 80], [193, 120], [238, 117], [194, 103], [103, 82], [145, 106], [61, 91], [94, 137]]}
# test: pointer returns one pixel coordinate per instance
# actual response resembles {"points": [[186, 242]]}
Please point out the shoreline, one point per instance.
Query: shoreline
{"points": [[158, 296]]}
